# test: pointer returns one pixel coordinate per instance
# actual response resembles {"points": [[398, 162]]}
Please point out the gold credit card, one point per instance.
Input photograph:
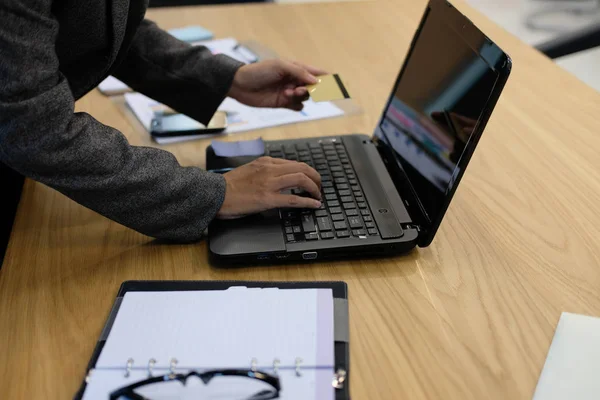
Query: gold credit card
{"points": [[329, 87]]}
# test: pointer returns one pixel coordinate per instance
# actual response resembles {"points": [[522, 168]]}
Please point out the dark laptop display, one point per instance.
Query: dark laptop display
{"points": [[435, 114]]}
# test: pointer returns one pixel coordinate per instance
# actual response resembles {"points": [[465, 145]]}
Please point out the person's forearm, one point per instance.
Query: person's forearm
{"points": [[42, 138], [189, 79]]}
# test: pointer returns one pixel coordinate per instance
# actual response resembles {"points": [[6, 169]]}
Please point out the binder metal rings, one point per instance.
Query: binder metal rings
{"points": [[151, 364], [253, 364], [298, 362], [128, 367], [276, 363], [173, 366]]}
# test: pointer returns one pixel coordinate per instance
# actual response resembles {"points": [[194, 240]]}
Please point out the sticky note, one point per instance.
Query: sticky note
{"points": [[329, 87], [192, 33], [238, 149]]}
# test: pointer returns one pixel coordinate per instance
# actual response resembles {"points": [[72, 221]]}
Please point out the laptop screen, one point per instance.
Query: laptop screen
{"points": [[436, 106]]}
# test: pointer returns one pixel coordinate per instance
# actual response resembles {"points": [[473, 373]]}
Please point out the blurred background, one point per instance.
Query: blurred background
{"points": [[566, 30]]}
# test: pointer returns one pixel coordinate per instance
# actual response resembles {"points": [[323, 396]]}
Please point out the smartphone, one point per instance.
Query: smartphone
{"points": [[168, 125]]}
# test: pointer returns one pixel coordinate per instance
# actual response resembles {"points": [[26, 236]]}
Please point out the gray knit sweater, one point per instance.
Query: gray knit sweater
{"points": [[52, 52]]}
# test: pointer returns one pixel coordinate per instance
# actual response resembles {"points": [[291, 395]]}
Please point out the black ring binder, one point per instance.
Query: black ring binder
{"points": [[341, 348]]}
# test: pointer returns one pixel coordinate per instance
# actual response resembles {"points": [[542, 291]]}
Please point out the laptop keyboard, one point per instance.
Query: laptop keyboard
{"points": [[344, 212]]}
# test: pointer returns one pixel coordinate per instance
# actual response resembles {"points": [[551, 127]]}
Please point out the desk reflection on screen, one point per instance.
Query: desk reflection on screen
{"points": [[432, 145]]}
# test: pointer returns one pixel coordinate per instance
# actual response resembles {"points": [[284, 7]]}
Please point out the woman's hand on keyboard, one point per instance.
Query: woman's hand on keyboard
{"points": [[257, 187]]}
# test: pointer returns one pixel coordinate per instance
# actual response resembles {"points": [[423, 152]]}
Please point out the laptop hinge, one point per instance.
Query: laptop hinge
{"points": [[419, 219]]}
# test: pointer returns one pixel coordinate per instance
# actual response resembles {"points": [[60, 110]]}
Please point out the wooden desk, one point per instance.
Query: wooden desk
{"points": [[470, 317]]}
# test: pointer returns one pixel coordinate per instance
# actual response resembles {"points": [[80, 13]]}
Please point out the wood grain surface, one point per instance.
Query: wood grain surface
{"points": [[470, 317]]}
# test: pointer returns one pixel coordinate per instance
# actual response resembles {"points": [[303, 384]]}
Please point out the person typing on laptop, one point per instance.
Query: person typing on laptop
{"points": [[53, 52]]}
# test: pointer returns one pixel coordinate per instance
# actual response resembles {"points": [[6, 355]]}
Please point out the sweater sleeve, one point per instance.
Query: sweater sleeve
{"points": [[189, 79], [44, 139]]}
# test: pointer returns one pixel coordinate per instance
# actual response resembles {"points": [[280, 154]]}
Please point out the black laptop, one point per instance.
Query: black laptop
{"points": [[384, 194]]}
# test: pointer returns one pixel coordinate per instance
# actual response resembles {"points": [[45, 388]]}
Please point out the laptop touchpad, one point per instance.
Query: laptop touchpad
{"points": [[258, 233]]}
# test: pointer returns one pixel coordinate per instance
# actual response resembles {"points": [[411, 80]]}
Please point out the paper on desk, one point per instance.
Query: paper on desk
{"points": [[240, 118], [223, 329], [572, 368], [240, 148], [112, 85]]}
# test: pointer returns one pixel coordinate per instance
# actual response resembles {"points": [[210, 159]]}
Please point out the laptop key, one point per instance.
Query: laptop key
{"points": [[327, 184], [349, 206], [291, 238], [342, 186], [308, 223], [352, 181], [342, 234], [362, 204], [359, 232], [365, 212], [321, 213], [339, 225], [345, 192], [337, 217], [314, 145], [335, 210], [368, 218], [288, 229], [372, 231], [355, 222], [331, 196], [334, 203], [370, 224], [290, 214], [335, 168], [340, 180], [297, 229], [347, 199], [337, 174], [328, 190], [311, 236], [325, 178], [323, 224], [327, 235], [351, 213]]}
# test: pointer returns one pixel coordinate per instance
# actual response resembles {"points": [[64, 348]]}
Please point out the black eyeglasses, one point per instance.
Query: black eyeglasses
{"points": [[256, 385]]}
